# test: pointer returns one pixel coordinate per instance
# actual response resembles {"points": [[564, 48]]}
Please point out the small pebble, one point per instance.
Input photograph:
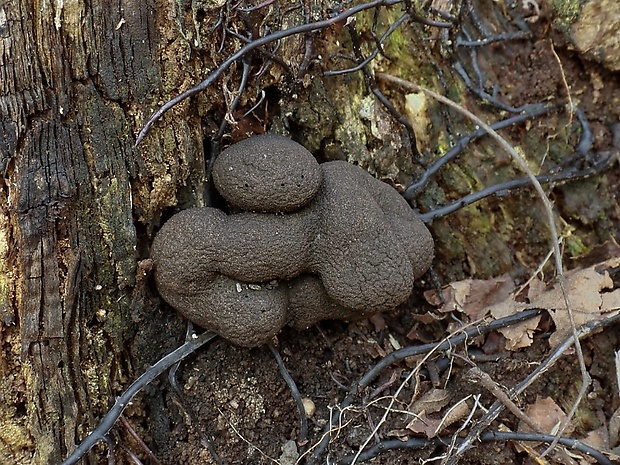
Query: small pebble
{"points": [[309, 407]]}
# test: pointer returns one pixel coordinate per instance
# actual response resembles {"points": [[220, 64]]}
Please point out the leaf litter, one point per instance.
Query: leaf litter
{"points": [[590, 292]]}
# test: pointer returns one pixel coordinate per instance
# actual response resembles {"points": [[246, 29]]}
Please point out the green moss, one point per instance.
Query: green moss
{"points": [[567, 12], [575, 246]]}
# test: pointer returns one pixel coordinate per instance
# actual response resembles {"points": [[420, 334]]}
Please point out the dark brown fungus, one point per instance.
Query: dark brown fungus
{"points": [[267, 174], [348, 246]]}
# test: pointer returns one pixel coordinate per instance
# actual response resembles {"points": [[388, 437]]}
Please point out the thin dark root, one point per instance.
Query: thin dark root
{"points": [[303, 419], [108, 421], [557, 178], [489, 436], [530, 112], [204, 439], [278, 35], [493, 412], [372, 84]]}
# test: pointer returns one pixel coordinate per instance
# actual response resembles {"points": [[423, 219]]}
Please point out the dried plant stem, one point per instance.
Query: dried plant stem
{"points": [[584, 331], [520, 161], [476, 375]]}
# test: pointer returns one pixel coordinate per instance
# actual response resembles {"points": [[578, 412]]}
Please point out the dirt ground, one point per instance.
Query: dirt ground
{"points": [[237, 399]]}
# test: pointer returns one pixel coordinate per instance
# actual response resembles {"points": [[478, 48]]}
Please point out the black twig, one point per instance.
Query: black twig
{"points": [[275, 36], [494, 38], [446, 344], [395, 25], [497, 407], [172, 379], [255, 7], [528, 113], [233, 106], [482, 94], [587, 138], [372, 84], [269, 54], [548, 438], [309, 44], [490, 436], [499, 189], [139, 440], [151, 373], [303, 419]]}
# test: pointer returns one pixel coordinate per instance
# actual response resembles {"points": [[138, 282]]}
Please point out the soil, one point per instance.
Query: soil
{"points": [[237, 399]]}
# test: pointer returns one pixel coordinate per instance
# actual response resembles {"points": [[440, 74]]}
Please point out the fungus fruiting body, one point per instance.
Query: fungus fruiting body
{"points": [[304, 242]]}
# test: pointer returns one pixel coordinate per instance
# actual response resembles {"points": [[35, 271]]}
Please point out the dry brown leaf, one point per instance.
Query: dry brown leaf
{"points": [[422, 424], [590, 294], [598, 439], [431, 427], [586, 290], [474, 296], [547, 414], [457, 412], [431, 401], [518, 335], [611, 301], [401, 434]]}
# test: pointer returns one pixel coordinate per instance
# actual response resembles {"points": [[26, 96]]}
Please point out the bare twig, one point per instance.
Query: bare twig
{"points": [[521, 162], [516, 35], [278, 35], [556, 178], [583, 332], [518, 159], [139, 440], [151, 373], [529, 113], [401, 354], [393, 27], [490, 436], [476, 375], [172, 379], [303, 419]]}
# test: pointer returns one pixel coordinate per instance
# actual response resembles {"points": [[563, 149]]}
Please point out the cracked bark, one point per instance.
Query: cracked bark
{"points": [[69, 79]]}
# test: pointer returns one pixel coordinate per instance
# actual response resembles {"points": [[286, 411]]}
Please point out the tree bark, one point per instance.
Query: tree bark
{"points": [[74, 77]]}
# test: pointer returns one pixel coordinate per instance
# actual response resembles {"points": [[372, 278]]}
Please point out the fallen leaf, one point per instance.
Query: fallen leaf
{"points": [[457, 412], [520, 334], [401, 434], [590, 293], [431, 426], [422, 424], [597, 439], [547, 414], [585, 290], [473, 297], [431, 402]]}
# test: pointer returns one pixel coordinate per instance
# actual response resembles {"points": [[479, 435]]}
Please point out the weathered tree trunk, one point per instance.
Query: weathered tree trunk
{"points": [[74, 80]]}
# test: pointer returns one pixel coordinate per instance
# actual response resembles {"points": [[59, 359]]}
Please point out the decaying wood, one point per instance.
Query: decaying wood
{"points": [[69, 77]]}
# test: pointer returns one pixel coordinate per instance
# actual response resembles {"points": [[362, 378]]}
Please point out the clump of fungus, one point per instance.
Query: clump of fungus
{"points": [[305, 242]]}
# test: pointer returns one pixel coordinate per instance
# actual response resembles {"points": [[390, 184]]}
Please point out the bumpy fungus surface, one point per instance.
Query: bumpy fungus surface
{"points": [[309, 242]]}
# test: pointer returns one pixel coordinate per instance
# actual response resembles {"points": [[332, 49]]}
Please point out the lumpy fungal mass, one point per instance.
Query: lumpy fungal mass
{"points": [[304, 242]]}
